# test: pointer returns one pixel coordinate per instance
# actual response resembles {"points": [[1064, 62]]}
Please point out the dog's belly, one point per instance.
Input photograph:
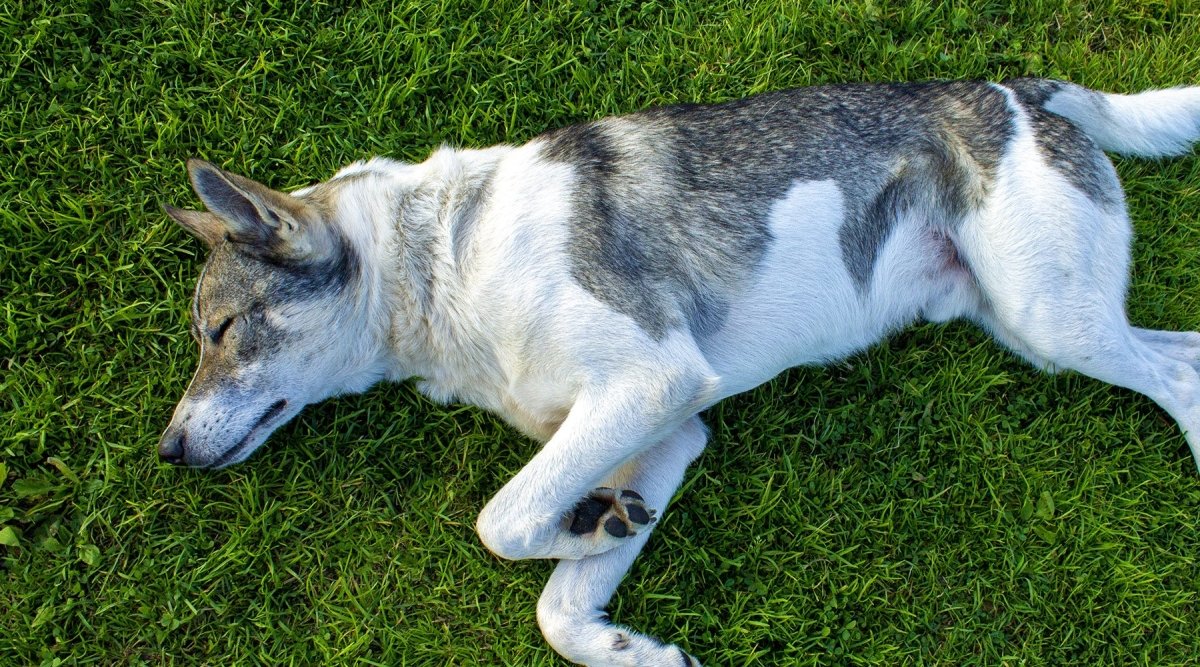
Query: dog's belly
{"points": [[804, 307]]}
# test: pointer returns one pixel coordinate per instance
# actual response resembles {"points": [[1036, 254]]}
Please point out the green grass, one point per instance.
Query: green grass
{"points": [[930, 501]]}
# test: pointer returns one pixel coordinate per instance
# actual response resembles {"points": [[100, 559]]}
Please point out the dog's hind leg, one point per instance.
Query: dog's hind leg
{"points": [[1053, 288], [570, 611], [1181, 345], [1121, 357]]}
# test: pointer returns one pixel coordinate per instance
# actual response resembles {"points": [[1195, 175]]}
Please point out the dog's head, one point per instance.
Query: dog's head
{"points": [[277, 312]]}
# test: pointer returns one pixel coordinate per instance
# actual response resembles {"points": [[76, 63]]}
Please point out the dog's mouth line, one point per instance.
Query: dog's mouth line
{"points": [[272, 412]]}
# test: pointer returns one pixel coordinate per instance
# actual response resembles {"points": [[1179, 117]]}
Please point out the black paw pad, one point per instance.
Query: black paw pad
{"points": [[615, 527], [620, 513], [587, 514]]}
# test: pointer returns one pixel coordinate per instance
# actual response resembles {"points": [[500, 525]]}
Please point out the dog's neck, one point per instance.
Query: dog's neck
{"points": [[411, 224]]}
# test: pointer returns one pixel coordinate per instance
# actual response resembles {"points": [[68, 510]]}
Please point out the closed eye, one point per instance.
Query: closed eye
{"points": [[216, 335]]}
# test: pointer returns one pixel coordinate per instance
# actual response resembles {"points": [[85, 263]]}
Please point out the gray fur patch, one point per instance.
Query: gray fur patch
{"points": [[310, 279], [1034, 92], [242, 285], [672, 203], [466, 209], [654, 239], [1066, 147], [943, 142], [935, 183]]}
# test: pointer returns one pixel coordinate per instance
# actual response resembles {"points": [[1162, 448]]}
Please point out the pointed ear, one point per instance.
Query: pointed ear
{"points": [[266, 221], [203, 225]]}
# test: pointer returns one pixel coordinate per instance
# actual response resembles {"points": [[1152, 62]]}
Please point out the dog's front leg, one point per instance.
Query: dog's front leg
{"points": [[571, 608], [553, 507]]}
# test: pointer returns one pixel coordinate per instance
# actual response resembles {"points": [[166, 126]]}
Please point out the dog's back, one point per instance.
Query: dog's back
{"points": [[672, 207]]}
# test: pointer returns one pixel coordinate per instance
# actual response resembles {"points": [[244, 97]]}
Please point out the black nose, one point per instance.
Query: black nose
{"points": [[170, 448]]}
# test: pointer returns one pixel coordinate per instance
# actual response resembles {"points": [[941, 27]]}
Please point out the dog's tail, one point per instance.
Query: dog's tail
{"points": [[1155, 123]]}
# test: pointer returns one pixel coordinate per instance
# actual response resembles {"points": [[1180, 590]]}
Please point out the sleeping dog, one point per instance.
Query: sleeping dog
{"points": [[601, 285]]}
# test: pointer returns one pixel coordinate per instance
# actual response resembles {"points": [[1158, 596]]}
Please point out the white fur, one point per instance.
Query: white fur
{"points": [[1155, 123]]}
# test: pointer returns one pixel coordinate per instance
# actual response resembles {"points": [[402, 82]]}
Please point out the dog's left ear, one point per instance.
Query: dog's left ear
{"points": [[267, 222], [203, 225]]}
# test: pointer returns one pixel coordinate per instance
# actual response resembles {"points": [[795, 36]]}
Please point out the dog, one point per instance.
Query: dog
{"points": [[601, 285]]}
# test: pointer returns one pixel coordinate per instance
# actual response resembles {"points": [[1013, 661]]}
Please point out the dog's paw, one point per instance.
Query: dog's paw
{"points": [[619, 514], [593, 639]]}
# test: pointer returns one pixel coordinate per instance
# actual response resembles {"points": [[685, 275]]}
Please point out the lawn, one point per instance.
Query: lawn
{"points": [[930, 501]]}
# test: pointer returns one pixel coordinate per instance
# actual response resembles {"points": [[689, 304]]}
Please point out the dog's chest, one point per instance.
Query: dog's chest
{"points": [[533, 405], [536, 419]]}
